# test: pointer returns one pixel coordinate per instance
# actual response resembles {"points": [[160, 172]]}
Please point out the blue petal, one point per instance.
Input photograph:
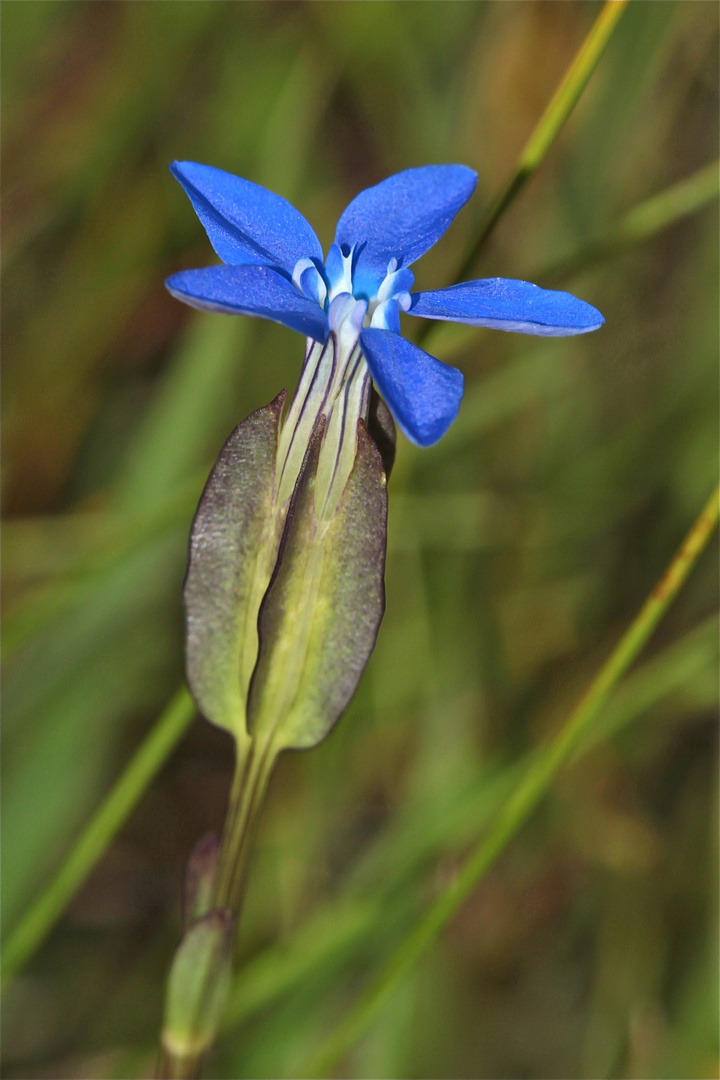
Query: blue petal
{"points": [[246, 223], [402, 217], [250, 290], [422, 393], [509, 305]]}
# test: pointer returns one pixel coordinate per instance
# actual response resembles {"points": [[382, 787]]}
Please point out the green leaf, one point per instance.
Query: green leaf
{"points": [[320, 618], [233, 548]]}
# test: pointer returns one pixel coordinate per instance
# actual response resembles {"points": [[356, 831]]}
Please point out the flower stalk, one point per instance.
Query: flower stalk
{"points": [[299, 491], [246, 799]]}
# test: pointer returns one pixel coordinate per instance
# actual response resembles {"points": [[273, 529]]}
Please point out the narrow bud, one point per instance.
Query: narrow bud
{"points": [[200, 875], [197, 987]]}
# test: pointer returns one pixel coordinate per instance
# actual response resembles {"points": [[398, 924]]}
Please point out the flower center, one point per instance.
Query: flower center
{"points": [[385, 296], [335, 381]]}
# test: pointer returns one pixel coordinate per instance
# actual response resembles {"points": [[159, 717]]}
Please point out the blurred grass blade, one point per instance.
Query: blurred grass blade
{"points": [[176, 436], [104, 540], [644, 221], [687, 665], [550, 123], [111, 816], [522, 801], [647, 219], [346, 924], [334, 931]]}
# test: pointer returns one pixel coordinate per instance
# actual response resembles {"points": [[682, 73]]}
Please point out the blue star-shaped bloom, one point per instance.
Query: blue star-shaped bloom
{"points": [[275, 269]]}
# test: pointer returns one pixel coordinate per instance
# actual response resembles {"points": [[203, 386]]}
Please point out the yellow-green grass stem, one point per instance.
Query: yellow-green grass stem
{"points": [[94, 841], [550, 123], [540, 773], [544, 133]]}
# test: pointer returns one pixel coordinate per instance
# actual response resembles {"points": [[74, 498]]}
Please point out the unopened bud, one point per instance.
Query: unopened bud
{"points": [[197, 986], [200, 879]]}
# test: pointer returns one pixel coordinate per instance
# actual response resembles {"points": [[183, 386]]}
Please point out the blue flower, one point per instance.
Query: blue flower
{"points": [[275, 269]]}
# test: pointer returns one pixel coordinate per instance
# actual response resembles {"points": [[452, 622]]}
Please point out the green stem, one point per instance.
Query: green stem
{"points": [[113, 813], [517, 809], [248, 793]]}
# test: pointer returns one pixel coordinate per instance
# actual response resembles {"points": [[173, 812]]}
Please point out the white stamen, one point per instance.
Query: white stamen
{"points": [[300, 267], [343, 284], [313, 287], [335, 383]]}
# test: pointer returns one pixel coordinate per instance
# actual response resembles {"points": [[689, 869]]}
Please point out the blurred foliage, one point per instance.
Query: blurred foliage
{"points": [[520, 546]]}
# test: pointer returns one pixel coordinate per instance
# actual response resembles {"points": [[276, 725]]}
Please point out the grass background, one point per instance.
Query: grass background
{"points": [[519, 548]]}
